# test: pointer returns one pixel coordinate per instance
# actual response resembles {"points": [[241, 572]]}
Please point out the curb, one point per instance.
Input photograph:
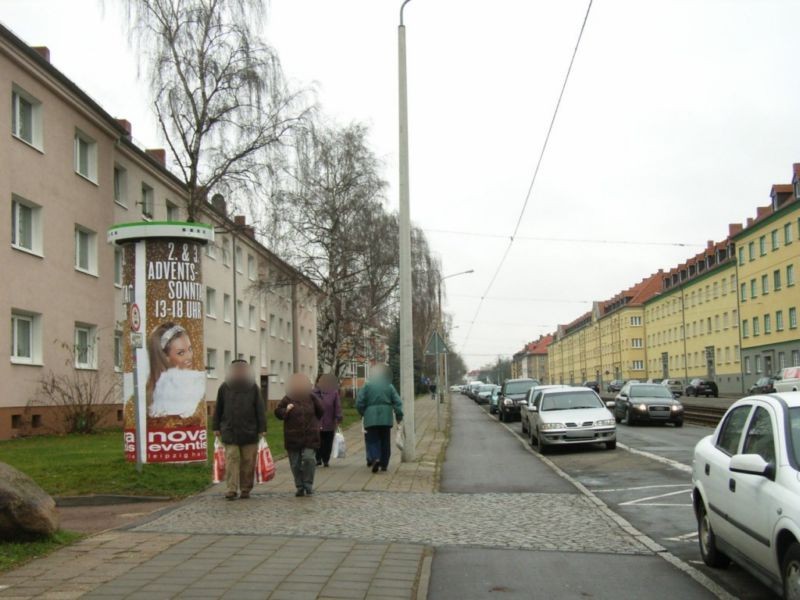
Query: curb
{"points": [[106, 500]]}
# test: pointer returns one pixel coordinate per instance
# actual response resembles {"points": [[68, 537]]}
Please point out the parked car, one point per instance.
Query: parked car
{"points": [[654, 380], [524, 415], [763, 385], [592, 385], [455, 388], [647, 402], [513, 395], [493, 400], [746, 490], [614, 385], [702, 387], [675, 386], [570, 416], [472, 388], [484, 393], [789, 380]]}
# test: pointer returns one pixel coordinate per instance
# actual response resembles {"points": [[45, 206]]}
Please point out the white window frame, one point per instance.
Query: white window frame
{"points": [[120, 185], [147, 197], [239, 255], [118, 351], [34, 342], [273, 328], [91, 156], [211, 302], [227, 308], [227, 356], [226, 252], [36, 236], [91, 346], [119, 263], [173, 213], [263, 347], [251, 267], [211, 363], [36, 141], [239, 311], [251, 317], [91, 258]]}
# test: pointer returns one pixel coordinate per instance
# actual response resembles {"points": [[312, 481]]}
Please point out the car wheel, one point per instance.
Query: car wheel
{"points": [[617, 417], [501, 416], [708, 541], [716, 395], [790, 571], [678, 423], [531, 438], [611, 445], [540, 445], [628, 420], [522, 424]]}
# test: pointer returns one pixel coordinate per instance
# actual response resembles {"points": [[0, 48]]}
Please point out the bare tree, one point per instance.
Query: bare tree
{"points": [[219, 92]]}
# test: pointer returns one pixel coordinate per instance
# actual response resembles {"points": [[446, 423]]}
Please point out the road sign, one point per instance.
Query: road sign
{"points": [[435, 345], [136, 318]]}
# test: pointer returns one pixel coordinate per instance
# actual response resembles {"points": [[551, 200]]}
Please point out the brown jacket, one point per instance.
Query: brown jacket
{"points": [[301, 424]]}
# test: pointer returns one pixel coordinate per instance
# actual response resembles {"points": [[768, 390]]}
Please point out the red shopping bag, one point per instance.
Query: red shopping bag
{"points": [[219, 461], [265, 466]]}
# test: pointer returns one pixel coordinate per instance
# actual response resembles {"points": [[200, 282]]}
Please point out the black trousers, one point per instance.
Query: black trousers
{"points": [[325, 446], [379, 444]]}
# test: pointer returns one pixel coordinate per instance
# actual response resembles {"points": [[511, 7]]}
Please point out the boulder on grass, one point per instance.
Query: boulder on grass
{"points": [[26, 510]]}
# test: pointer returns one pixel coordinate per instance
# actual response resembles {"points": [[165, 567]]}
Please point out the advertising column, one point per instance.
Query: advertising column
{"points": [[164, 377]]}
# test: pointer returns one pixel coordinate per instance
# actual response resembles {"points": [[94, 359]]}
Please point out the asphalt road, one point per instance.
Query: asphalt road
{"points": [[653, 495], [484, 457]]}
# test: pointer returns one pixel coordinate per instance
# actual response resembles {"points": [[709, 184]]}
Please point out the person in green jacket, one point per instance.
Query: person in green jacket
{"points": [[379, 404]]}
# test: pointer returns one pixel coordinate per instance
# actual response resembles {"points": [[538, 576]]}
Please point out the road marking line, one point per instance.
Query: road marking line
{"points": [[641, 487], [661, 504], [701, 578], [640, 500], [686, 537], [662, 459]]}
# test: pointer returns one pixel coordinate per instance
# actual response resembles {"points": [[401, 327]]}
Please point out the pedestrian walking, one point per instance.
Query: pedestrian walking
{"points": [[379, 403], [327, 391], [300, 410], [239, 420]]}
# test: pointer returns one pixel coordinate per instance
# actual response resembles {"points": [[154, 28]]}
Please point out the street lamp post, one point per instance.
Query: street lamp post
{"points": [[406, 324]]}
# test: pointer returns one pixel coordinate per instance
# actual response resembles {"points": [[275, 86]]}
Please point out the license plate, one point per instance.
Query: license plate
{"points": [[574, 435]]}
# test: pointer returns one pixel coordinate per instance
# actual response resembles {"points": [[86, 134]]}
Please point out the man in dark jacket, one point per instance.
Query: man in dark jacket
{"points": [[300, 411], [239, 420]]}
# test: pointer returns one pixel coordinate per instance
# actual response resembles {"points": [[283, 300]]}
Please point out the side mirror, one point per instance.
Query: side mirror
{"points": [[752, 464], [610, 404], [623, 395], [532, 408]]}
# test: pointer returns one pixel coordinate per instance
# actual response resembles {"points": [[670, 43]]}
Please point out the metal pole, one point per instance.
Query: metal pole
{"points": [[406, 324], [235, 302], [439, 360]]}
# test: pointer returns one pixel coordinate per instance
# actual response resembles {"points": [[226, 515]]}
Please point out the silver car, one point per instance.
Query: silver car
{"points": [[525, 413], [560, 417]]}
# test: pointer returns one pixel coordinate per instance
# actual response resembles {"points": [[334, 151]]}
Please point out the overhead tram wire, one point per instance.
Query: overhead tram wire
{"points": [[535, 173], [564, 240]]}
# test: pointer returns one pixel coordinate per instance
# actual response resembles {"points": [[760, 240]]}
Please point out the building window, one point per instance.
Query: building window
{"points": [[226, 252], [85, 250], [787, 234], [118, 267], [227, 358], [251, 267], [251, 315], [776, 280], [744, 292], [638, 365], [239, 260], [252, 361], [756, 326], [84, 346], [767, 324], [280, 328], [263, 347], [239, 315], [781, 360], [778, 320], [273, 331], [758, 363], [725, 322], [735, 317], [26, 226], [26, 117], [636, 343], [793, 318], [211, 363], [289, 335], [85, 156], [147, 201], [741, 256], [25, 347], [747, 365], [302, 335], [120, 186], [211, 302], [764, 284], [752, 288], [635, 321], [774, 239], [751, 251], [708, 325], [226, 308], [790, 275], [795, 357], [211, 251], [727, 354], [762, 245], [173, 213], [745, 328], [736, 353], [117, 350]]}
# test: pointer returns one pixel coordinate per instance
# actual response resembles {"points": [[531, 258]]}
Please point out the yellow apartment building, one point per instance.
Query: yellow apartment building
{"points": [[532, 360], [691, 325], [767, 262]]}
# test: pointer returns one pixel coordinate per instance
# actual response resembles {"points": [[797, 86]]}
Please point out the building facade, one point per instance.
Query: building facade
{"points": [[531, 361], [71, 171], [767, 261]]}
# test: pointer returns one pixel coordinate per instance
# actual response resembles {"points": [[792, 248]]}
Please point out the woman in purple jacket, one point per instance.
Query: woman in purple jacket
{"points": [[327, 390]]}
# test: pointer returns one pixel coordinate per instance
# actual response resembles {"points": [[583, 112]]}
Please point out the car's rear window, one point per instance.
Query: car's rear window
{"points": [[571, 400], [794, 426], [650, 391], [519, 387]]}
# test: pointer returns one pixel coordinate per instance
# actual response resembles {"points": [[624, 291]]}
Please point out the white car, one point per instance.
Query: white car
{"points": [[746, 490], [567, 416], [525, 413], [789, 380]]}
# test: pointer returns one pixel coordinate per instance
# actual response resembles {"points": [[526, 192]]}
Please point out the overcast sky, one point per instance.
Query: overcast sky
{"points": [[678, 118]]}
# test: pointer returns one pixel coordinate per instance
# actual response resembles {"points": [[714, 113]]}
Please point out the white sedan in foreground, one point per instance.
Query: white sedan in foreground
{"points": [[570, 415], [746, 480]]}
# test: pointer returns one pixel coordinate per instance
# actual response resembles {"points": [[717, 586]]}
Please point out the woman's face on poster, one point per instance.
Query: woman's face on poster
{"points": [[179, 352]]}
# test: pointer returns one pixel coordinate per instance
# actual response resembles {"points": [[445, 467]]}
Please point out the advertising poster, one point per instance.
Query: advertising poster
{"points": [[163, 350]]}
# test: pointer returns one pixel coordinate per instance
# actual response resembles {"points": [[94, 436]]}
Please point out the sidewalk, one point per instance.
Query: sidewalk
{"points": [[348, 541]]}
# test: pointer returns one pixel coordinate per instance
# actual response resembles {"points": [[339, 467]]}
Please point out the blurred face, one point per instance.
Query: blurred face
{"points": [[240, 372], [179, 352], [298, 385]]}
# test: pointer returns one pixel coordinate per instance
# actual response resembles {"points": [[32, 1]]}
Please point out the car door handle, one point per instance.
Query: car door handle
{"points": [[732, 485], [708, 469]]}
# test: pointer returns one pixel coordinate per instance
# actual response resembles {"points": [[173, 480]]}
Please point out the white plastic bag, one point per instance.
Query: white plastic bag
{"points": [[400, 439], [339, 446]]}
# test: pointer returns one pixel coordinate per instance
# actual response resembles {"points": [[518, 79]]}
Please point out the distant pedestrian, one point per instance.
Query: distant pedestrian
{"points": [[301, 410], [327, 390], [379, 403], [239, 420]]}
